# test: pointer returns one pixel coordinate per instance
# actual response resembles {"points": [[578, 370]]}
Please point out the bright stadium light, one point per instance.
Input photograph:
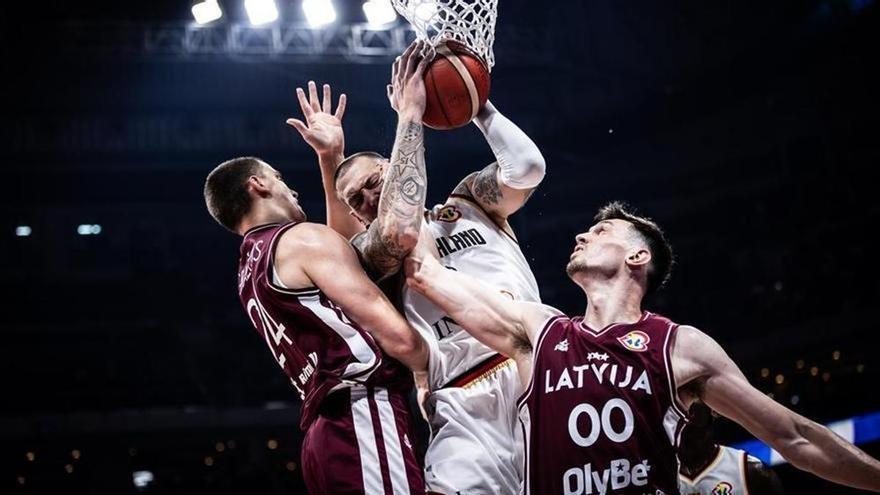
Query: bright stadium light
{"points": [[206, 11], [319, 12], [88, 229], [142, 479], [379, 12], [261, 11]]}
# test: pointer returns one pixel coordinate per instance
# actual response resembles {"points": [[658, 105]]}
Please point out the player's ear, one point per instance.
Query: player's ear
{"points": [[258, 185], [639, 256]]}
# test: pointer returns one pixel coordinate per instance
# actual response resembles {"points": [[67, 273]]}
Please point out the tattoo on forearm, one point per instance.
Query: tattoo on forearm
{"points": [[402, 201], [485, 185]]}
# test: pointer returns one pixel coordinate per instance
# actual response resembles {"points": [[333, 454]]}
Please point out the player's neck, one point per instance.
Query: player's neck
{"points": [[262, 216], [612, 301]]}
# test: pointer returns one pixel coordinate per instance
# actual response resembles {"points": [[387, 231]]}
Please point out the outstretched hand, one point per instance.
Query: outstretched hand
{"points": [[407, 89], [322, 130]]}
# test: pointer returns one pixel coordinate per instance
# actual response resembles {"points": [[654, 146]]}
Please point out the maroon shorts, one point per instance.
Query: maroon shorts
{"points": [[360, 444]]}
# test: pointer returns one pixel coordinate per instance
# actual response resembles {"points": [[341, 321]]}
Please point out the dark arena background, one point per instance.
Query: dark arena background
{"points": [[747, 129]]}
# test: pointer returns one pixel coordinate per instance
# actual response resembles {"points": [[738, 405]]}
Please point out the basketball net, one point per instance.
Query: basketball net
{"points": [[471, 22]]}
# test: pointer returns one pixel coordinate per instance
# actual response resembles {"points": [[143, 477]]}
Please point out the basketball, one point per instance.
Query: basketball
{"points": [[456, 86]]}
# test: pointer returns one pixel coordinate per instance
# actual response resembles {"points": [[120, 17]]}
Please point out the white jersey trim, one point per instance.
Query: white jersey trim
{"points": [[473, 204], [368, 360], [719, 455], [677, 404], [366, 438], [396, 464]]}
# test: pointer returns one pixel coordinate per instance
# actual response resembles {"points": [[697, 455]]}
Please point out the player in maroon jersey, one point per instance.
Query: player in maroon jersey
{"points": [[327, 325], [606, 392]]}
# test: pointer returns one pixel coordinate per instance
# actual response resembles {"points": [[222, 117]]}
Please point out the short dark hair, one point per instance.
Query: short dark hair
{"points": [[661, 252], [348, 161], [226, 192]]}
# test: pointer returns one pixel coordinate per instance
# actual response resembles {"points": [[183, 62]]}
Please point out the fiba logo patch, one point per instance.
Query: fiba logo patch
{"points": [[635, 341], [723, 488], [448, 214]]}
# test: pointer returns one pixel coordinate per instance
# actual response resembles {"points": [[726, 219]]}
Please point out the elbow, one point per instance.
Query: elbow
{"points": [[400, 238], [795, 452], [796, 449], [537, 166], [529, 171]]}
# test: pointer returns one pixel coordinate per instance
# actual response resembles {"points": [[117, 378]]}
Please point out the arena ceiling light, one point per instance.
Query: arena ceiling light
{"points": [[261, 11], [88, 229], [319, 12], [206, 11], [379, 12]]}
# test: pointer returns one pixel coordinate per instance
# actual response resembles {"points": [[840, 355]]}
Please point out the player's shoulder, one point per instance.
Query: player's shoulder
{"points": [[541, 317], [307, 237], [464, 185]]}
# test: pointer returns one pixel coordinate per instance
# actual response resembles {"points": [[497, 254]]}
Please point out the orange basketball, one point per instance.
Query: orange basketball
{"points": [[456, 86]]}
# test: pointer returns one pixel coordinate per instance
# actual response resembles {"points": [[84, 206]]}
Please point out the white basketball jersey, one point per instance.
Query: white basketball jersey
{"points": [[726, 475], [470, 242]]}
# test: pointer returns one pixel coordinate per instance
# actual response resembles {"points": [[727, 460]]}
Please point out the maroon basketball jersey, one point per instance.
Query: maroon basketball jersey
{"points": [[319, 348], [601, 414]]}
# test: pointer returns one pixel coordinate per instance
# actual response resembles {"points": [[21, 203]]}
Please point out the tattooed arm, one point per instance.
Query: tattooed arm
{"points": [[395, 231], [503, 187]]}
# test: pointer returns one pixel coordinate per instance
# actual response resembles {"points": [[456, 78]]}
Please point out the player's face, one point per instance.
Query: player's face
{"points": [[602, 249], [287, 198], [361, 186]]}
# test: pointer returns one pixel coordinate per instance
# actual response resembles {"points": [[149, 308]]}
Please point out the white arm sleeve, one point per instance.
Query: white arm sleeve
{"points": [[519, 159]]}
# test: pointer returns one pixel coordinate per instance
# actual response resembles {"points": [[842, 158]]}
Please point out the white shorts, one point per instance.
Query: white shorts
{"points": [[476, 443]]}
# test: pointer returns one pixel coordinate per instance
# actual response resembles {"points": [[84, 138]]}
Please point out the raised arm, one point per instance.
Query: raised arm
{"points": [[494, 319], [318, 255], [707, 371], [322, 130], [395, 231], [503, 187]]}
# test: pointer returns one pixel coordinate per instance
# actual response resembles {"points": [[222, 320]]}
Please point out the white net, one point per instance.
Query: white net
{"points": [[471, 22]]}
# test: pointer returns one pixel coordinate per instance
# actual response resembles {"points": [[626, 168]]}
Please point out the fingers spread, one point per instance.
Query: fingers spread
{"points": [[340, 110], [327, 101], [303, 103], [298, 125], [313, 97]]}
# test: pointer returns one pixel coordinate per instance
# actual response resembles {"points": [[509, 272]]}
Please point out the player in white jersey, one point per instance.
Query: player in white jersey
{"points": [[707, 468], [475, 448]]}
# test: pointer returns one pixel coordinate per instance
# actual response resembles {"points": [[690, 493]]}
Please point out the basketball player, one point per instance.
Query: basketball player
{"points": [[606, 395], [474, 447], [707, 468], [324, 321]]}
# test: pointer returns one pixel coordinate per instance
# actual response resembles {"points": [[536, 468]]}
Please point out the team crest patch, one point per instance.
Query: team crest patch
{"points": [[635, 341], [448, 214], [723, 488]]}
